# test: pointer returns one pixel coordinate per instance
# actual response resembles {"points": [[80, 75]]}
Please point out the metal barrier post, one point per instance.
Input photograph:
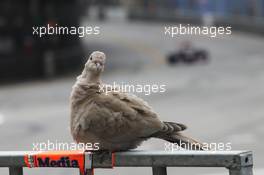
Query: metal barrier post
{"points": [[159, 170], [243, 165], [88, 172], [241, 171], [15, 171]]}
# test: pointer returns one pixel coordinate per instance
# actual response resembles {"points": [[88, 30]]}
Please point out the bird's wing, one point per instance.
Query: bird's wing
{"points": [[120, 115]]}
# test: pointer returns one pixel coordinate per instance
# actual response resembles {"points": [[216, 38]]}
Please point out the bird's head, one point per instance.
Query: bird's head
{"points": [[95, 63]]}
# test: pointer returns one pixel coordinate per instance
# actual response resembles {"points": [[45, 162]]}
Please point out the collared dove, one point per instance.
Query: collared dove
{"points": [[118, 121]]}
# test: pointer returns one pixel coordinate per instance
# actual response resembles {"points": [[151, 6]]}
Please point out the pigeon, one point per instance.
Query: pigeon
{"points": [[118, 121]]}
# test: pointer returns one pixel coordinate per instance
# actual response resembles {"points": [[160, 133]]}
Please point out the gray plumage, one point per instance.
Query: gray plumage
{"points": [[117, 121]]}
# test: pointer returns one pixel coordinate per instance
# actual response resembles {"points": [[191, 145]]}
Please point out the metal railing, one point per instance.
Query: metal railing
{"points": [[237, 162]]}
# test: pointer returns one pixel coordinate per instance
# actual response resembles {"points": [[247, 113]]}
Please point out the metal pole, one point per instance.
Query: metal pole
{"points": [[88, 172], [248, 170], [159, 170], [15, 171]]}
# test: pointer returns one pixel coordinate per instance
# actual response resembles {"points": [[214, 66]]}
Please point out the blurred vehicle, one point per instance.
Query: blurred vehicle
{"points": [[25, 52], [187, 54]]}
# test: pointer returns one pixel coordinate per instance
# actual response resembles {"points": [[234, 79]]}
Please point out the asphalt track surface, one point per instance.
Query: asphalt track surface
{"points": [[221, 101]]}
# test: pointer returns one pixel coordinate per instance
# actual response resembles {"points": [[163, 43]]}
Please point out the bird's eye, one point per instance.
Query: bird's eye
{"points": [[91, 58]]}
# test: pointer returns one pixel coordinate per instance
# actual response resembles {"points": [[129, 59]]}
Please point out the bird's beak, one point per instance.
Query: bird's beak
{"points": [[98, 65]]}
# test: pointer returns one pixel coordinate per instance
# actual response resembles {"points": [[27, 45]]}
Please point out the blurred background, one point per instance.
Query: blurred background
{"points": [[218, 93]]}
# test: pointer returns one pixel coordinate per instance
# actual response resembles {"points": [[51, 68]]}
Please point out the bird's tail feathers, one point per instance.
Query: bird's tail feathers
{"points": [[186, 142], [183, 141]]}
